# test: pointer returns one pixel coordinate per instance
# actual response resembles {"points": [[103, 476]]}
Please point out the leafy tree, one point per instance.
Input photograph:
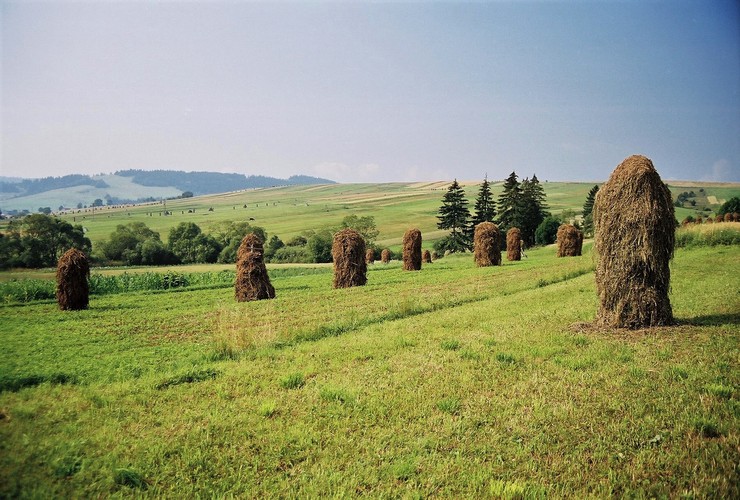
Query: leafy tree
{"points": [[454, 215], [319, 246], [363, 225], [97, 202], [186, 194], [588, 208], [134, 243], [229, 236], [297, 241], [509, 204], [547, 231], [190, 245], [39, 240], [731, 206], [45, 210], [485, 208], [273, 246]]}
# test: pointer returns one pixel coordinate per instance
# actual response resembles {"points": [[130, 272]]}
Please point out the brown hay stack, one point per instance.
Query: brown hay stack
{"points": [[348, 252], [736, 217], [487, 245], [635, 235], [252, 281], [568, 241], [728, 217], [73, 289], [426, 257], [435, 255], [412, 250], [385, 256], [580, 242], [699, 220], [719, 218], [514, 244], [370, 256]]}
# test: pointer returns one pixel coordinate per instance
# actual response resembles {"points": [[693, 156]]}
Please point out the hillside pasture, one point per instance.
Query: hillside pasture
{"points": [[454, 381]]}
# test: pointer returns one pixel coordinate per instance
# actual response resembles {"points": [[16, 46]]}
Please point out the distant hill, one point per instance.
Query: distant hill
{"points": [[129, 186]]}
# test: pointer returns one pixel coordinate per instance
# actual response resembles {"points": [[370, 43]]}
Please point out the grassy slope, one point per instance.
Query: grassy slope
{"points": [[288, 211], [453, 381]]}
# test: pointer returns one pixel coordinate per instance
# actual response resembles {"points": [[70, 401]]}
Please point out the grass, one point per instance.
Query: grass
{"points": [[484, 385]]}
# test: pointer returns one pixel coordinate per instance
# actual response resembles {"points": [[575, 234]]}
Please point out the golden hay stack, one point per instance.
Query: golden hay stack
{"points": [[348, 252], [514, 244], [412, 250], [426, 257], [719, 218], [252, 281], [487, 245], [385, 256], [568, 240], [73, 289], [370, 256], [728, 217], [634, 238]]}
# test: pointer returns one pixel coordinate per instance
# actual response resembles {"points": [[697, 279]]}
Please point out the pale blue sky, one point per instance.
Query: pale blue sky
{"points": [[372, 91]]}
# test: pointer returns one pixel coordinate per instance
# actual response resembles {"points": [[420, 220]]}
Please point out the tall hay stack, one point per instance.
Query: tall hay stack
{"points": [[370, 256], [385, 256], [580, 242], [412, 250], [634, 239], [73, 288], [426, 257], [728, 217], [736, 217], [487, 245], [252, 281], [514, 244], [348, 252], [568, 241]]}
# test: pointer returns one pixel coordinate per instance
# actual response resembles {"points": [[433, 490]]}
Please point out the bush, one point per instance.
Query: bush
{"points": [[547, 231]]}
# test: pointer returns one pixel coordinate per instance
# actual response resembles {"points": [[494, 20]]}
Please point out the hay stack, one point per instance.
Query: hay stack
{"points": [[487, 245], [426, 257], [252, 281], [412, 250], [709, 220], [699, 220], [718, 218], [435, 255], [580, 242], [73, 289], [736, 217], [568, 240], [348, 252], [385, 256], [635, 235], [370, 256], [514, 244], [728, 217]]}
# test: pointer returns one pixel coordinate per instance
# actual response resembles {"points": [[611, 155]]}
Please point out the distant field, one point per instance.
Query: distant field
{"points": [[288, 211]]}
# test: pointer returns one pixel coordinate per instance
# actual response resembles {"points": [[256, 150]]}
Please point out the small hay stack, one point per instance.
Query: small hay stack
{"points": [[709, 220], [634, 225], [718, 218], [699, 220], [435, 255], [728, 217], [487, 245], [385, 256], [514, 244], [348, 252], [370, 256], [412, 250], [252, 281], [568, 241], [736, 217], [73, 288], [426, 257], [580, 242]]}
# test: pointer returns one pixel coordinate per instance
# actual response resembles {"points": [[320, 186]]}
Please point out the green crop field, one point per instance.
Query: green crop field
{"points": [[288, 211], [453, 381]]}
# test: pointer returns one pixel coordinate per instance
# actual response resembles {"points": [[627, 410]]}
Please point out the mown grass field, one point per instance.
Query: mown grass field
{"points": [[289, 211], [453, 381]]}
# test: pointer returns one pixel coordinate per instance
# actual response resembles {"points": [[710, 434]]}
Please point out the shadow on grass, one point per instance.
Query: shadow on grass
{"points": [[712, 320]]}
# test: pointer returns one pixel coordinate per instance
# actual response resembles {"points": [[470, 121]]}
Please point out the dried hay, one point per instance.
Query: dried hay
{"points": [[709, 220], [634, 240], [426, 257], [385, 256], [370, 256], [348, 252], [73, 288], [580, 242], [486, 245], [736, 217], [728, 217], [699, 219], [412, 250], [514, 244], [252, 281], [435, 255], [719, 218], [568, 241]]}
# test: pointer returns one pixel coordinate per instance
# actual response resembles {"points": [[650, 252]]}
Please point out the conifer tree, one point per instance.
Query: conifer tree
{"points": [[588, 220], [510, 204], [454, 215], [533, 208], [485, 207]]}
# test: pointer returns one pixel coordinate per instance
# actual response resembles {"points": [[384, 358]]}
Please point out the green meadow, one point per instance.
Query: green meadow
{"points": [[453, 381]]}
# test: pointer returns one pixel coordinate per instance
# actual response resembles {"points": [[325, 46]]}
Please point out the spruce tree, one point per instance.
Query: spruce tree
{"points": [[485, 207], [533, 208], [454, 215], [588, 207], [510, 204]]}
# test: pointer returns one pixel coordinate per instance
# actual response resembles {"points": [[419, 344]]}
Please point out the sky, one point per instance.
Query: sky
{"points": [[371, 91]]}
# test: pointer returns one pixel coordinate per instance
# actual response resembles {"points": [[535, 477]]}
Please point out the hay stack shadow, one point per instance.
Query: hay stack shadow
{"points": [[412, 250], [487, 245], [252, 281], [73, 288], [634, 225], [348, 252]]}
